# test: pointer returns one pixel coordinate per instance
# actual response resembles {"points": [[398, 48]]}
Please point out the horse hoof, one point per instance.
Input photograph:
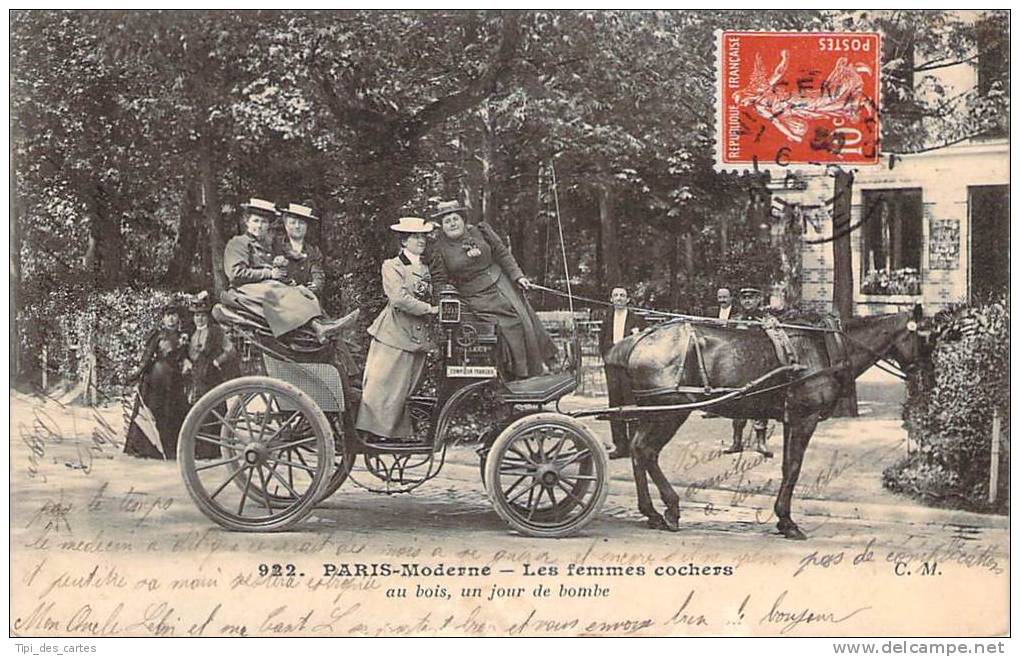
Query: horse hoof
{"points": [[656, 522], [792, 532], [671, 523]]}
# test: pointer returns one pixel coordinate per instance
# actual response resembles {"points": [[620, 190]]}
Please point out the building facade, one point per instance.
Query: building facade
{"points": [[931, 228]]}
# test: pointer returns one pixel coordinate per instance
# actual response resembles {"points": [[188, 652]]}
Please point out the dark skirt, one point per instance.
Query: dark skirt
{"points": [[525, 344], [161, 391]]}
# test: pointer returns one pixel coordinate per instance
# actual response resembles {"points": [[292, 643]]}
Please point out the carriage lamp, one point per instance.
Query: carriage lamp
{"points": [[449, 305]]}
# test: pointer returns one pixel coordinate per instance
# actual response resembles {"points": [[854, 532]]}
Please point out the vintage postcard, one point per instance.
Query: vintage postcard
{"points": [[510, 324]]}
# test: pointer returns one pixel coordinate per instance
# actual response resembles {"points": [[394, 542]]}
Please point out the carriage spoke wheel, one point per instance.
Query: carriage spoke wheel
{"points": [[256, 454], [546, 475]]}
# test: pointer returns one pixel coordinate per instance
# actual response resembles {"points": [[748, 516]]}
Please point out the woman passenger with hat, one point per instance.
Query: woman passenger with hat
{"points": [[475, 261], [396, 355], [262, 286], [304, 261]]}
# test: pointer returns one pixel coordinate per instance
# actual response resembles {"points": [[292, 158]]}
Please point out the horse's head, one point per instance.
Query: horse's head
{"points": [[909, 342]]}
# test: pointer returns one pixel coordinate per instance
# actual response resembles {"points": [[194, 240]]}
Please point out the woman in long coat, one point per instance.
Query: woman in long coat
{"points": [[475, 261], [161, 404], [263, 288], [396, 355]]}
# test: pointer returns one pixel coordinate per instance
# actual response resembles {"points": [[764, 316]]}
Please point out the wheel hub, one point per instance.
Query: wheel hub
{"points": [[255, 454], [547, 475]]}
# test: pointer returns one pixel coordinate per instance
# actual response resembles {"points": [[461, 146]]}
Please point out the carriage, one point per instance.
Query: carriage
{"points": [[260, 452]]}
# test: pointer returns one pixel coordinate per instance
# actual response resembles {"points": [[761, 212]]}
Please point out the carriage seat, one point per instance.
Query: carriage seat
{"points": [[540, 389], [299, 345]]}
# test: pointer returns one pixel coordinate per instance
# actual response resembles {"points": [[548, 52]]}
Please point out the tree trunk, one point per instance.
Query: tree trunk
{"points": [[674, 273], [212, 214], [610, 244], [15, 337], [182, 260], [843, 273], [105, 250], [724, 234], [792, 259]]}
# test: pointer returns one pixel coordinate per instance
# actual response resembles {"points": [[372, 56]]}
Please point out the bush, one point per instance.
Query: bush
{"points": [[949, 410], [115, 324]]}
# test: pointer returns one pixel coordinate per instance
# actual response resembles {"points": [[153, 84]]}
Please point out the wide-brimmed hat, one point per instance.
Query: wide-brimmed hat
{"points": [[448, 207], [412, 225], [300, 211], [200, 303], [750, 292], [261, 206]]}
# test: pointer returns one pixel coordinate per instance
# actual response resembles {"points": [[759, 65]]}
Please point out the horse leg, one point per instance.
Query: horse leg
{"points": [[664, 432], [796, 435], [645, 506]]}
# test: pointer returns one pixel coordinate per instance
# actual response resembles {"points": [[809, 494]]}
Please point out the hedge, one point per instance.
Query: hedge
{"points": [[949, 410], [113, 324]]}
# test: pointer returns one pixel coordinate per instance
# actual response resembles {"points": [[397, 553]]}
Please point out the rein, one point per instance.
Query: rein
{"points": [[881, 361], [694, 319]]}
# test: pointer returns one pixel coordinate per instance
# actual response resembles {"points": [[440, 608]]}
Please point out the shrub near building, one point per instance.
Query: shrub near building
{"points": [[949, 411]]}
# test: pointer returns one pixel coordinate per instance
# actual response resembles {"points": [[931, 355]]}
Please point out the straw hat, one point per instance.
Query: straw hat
{"points": [[300, 211], [412, 225], [261, 206]]}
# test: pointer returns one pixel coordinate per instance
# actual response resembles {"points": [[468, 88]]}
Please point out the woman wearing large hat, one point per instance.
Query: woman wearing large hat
{"points": [[262, 286], [304, 260], [396, 355], [476, 262]]}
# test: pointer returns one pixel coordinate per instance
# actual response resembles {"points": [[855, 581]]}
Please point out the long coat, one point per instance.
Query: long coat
{"points": [[248, 264], [396, 356], [161, 390], [484, 272]]}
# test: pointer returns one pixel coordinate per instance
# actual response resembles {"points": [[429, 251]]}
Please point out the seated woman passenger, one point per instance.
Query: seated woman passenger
{"points": [[476, 262], [264, 289], [304, 260], [399, 343]]}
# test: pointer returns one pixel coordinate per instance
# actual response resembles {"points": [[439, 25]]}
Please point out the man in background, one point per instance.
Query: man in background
{"points": [[725, 300], [617, 323], [750, 309]]}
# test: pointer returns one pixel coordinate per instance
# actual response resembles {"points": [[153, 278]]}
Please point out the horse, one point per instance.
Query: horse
{"points": [[666, 369]]}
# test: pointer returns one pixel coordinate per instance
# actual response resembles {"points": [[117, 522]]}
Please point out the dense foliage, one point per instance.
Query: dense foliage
{"points": [[136, 134], [949, 411]]}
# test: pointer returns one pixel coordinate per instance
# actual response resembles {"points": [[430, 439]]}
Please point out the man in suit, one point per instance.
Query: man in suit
{"points": [[750, 309], [617, 323], [725, 300]]}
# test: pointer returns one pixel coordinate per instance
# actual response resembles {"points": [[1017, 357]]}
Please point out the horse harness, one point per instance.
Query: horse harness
{"points": [[790, 370]]}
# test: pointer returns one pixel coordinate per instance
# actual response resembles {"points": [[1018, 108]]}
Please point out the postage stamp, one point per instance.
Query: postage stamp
{"points": [[790, 98]]}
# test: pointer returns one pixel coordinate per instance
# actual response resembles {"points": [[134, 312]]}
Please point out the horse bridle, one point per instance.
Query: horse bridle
{"points": [[882, 361]]}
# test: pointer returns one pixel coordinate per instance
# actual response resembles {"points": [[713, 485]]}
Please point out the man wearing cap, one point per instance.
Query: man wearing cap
{"points": [[261, 286], [751, 310], [617, 323]]}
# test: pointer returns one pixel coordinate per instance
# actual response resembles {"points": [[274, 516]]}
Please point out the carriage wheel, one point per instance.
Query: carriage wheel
{"points": [[547, 475], [342, 427], [274, 454]]}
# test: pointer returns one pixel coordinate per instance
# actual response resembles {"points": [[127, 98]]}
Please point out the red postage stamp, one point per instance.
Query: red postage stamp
{"points": [[789, 98]]}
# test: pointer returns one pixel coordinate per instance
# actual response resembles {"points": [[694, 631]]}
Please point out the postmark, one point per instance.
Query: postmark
{"points": [[796, 98]]}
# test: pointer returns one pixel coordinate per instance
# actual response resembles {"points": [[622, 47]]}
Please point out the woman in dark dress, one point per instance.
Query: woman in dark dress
{"points": [[161, 404], [476, 262]]}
